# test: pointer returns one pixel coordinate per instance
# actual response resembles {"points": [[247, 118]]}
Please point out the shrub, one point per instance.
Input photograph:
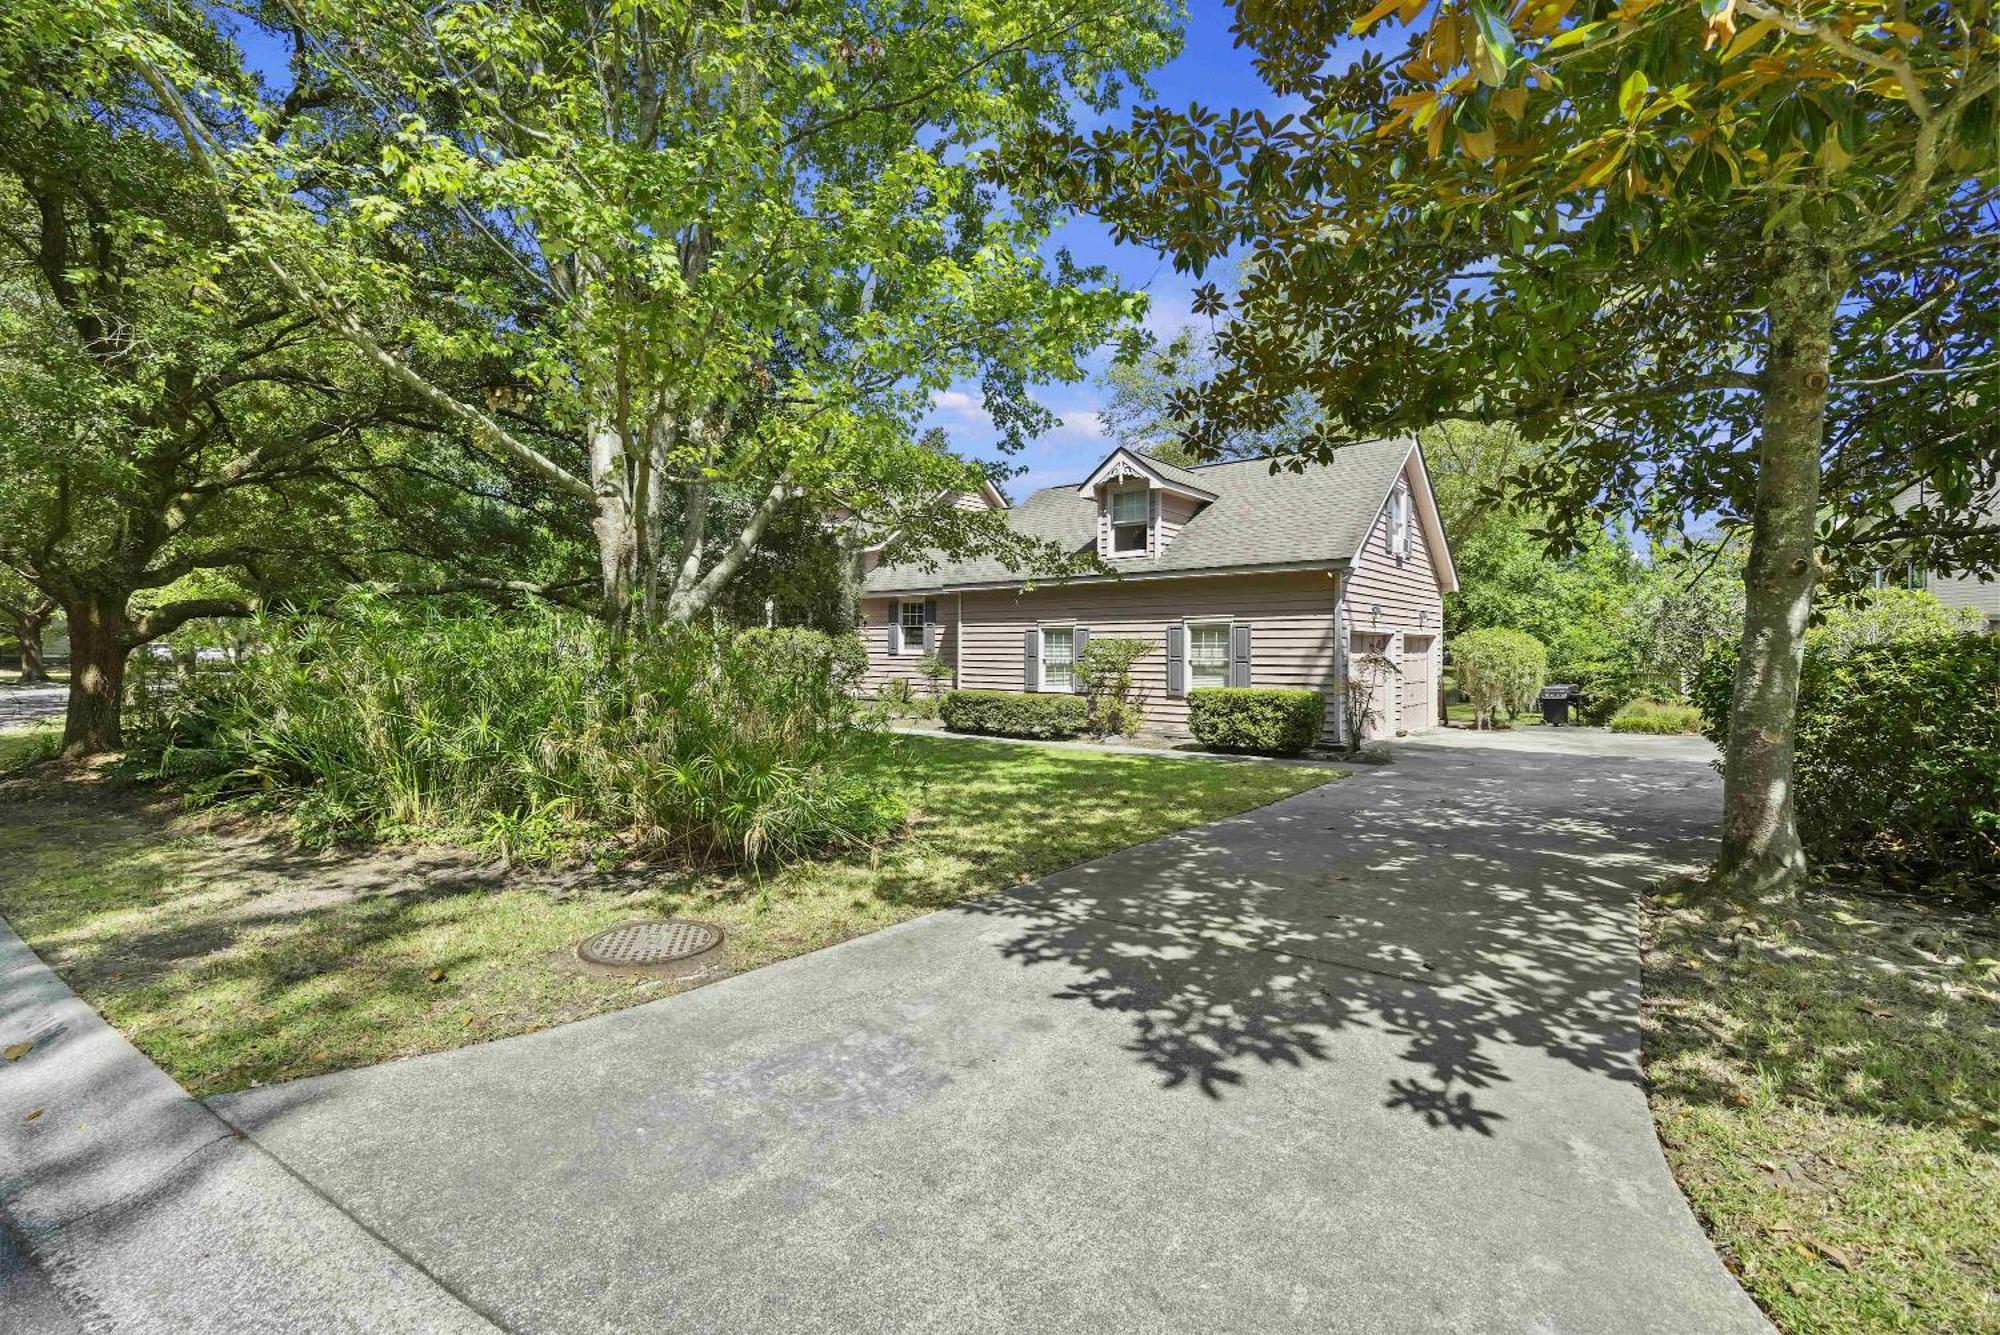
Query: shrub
{"points": [[522, 732], [1660, 718], [1499, 669], [1881, 616], [1898, 761], [1015, 713], [1366, 673], [797, 652], [1104, 670], [1245, 718]]}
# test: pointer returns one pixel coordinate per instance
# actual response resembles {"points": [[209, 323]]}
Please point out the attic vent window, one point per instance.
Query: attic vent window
{"points": [[1130, 520]]}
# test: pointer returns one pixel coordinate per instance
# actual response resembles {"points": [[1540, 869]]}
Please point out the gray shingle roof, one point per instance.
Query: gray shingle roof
{"points": [[1318, 516]]}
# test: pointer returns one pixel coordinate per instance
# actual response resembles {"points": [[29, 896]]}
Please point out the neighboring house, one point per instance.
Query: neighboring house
{"points": [[1240, 576], [1982, 596]]}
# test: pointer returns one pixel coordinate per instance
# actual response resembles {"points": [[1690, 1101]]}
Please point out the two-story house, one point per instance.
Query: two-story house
{"points": [[1240, 575]]}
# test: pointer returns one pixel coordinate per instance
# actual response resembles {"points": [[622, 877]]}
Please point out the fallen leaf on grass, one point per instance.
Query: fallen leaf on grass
{"points": [[13, 1052], [436, 975], [1839, 1256], [465, 1020]]}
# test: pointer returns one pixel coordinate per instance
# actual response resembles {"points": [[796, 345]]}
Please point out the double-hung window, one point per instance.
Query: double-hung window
{"points": [[1131, 520], [1058, 658], [1208, 653], [910, 621]]}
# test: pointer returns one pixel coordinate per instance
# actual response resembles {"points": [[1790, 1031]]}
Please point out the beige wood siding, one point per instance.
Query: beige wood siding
{"points": [[1392, 597], [1175, 511], [1291, 616], [1968, 591], [884, 666]]}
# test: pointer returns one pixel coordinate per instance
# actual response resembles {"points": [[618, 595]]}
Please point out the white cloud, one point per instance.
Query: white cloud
{"points": [[957, 408], [1080, 426]]}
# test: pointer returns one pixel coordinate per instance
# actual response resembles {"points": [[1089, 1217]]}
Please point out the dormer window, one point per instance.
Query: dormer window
{"points": [[1131, 521]]}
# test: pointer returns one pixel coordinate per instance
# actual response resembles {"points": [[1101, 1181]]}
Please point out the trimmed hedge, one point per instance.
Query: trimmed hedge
{"points": [[1014, 713], [1248, 718]]}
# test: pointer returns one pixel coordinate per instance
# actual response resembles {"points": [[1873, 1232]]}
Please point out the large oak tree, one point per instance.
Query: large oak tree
{"points": [[1728, 257]]}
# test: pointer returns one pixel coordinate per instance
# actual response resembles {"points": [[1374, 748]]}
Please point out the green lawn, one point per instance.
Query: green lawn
{"points": [[231, 958], [1828, 1091], [35, 742]]}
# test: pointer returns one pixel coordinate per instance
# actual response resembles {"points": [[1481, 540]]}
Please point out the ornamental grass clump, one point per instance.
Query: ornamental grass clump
{"points": [[1658, 718], [523, 732]]}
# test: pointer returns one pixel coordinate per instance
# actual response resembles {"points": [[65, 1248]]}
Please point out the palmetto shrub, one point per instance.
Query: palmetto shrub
{"points": [[521, 731]]}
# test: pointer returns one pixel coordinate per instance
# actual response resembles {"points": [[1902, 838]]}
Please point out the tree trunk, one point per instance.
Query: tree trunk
{"points": [[99, 640], [621, 544], [1761, 851], [28, 628]]}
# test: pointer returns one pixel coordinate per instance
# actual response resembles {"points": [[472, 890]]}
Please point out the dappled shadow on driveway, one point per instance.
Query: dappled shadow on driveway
{"points": [[1466, 906]]}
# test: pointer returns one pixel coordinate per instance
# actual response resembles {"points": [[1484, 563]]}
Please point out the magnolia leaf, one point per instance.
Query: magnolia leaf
{"points": [[1496, 52], [1373, 17], [1597, 172], [1582, 32], [1748, 38], [1511, 102], [1479, 143], [1632, 94], [13, 1052], [33, 1115]]}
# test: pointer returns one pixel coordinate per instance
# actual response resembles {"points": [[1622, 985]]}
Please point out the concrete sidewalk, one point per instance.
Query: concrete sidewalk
{"points": [[1364, 1060], [129, 1207]]}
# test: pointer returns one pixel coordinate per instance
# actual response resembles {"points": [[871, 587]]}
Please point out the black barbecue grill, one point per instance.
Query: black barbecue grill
{"points": [[1557, 701]]}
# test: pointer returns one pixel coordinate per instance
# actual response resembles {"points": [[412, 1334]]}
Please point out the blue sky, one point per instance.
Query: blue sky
{"points": [[1211, 70]]}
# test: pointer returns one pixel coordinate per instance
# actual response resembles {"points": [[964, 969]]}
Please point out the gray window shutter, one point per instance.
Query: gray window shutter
{"points": [[1031, 659], [895, 627], [1239, 655], [1081, 637], [1176, 661], [930, 626]]}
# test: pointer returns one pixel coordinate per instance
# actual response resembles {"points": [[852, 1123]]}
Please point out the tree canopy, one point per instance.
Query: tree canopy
{"points": [[1722, 258]]}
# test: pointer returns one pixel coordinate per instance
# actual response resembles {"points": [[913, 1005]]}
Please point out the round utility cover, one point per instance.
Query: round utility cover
{"points": [[645, 945]]}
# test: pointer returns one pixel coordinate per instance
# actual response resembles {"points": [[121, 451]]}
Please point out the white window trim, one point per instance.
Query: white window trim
{"points": [[1042, 629], [1400, 521], [904, 649], [1228, 624], [1112, 526]]}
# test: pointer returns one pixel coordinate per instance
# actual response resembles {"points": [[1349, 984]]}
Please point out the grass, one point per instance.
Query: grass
{"points": [[1827, 1087], [231, 958], [20, 746]]}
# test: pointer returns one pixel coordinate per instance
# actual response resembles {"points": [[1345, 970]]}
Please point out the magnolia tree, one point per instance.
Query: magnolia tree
{"points": [[734, 250], [1723, 256]]}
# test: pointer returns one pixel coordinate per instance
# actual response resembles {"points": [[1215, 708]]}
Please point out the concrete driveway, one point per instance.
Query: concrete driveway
{"points": [[1365, 1060]]}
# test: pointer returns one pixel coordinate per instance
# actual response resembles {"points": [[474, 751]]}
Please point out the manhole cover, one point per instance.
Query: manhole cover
{"points": [[641, 945]]}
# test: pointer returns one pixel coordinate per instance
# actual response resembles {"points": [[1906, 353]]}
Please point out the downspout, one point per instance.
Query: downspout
{"points": [[1340, 658]]}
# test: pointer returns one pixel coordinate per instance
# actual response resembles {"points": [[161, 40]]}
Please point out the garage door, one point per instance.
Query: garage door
{"points": [[1382, 707], [1419, 692]]}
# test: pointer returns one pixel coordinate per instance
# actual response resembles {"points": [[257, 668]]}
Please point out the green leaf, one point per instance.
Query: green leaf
{"points": [[1497, 54], [1632, 94]]}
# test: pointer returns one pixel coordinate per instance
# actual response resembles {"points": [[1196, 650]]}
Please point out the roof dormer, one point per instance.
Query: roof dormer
{"points": [[1142, 503]]}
